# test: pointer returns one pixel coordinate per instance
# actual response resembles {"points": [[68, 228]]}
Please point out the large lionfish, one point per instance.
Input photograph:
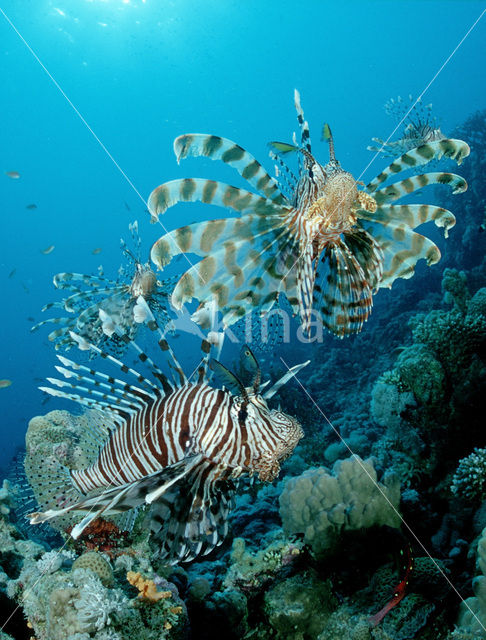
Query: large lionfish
{"points": [[314, 237], [94, 301], [176, 446], [420, 127]]}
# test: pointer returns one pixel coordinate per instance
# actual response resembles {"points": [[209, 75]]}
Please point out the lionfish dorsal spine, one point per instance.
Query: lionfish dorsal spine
{"points": [[291, 373], [84, 345], [305, 140], [162, 342], [121, 385]]}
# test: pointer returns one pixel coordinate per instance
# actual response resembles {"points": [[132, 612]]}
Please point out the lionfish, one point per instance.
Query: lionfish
{"points": [[177, 447], [94, 300], [420, 127], [317, 238]]}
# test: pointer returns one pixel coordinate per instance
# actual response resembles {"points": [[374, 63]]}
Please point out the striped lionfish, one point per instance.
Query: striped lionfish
{"points": [[175, 446], [316, 237], [420, 127], [94, 300]]}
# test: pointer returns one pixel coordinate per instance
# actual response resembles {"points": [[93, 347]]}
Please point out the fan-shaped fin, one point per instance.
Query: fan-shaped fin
{"points": [[65, 280], [239, 276], [209, 236], [122, 498], [72, 303], [343, 289], [408, 186], [412, 215], [210, 192], [216, 148], [450, 148], [191, 517], [402, 249]]}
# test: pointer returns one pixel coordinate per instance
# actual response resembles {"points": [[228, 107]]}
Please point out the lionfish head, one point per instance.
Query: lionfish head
{"points": [[286, 432], [144, 282]]}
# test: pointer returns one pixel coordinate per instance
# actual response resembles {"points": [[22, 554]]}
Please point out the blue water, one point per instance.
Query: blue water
{"points": [[141, 73]]}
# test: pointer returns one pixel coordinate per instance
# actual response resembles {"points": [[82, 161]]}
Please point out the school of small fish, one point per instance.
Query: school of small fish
{"points": [[175, 446]]}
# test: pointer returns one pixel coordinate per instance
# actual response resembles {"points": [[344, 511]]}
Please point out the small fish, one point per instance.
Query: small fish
{"points": [[31, 206], [49, 249], [126, 206], [30, 319], [399, 591], [25, 287], [12, 273], [96, 251], [15, 175], [5, 383]]}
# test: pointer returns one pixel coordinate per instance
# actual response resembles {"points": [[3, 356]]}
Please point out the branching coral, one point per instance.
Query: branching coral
{"points": [[469, 480]]}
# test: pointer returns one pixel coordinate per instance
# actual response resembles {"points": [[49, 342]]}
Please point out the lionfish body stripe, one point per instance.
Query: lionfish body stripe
{"points": [[178, 447], [324, 242]]}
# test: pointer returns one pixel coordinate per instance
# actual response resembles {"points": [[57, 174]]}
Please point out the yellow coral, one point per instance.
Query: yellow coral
{"points": [[147, 588]]}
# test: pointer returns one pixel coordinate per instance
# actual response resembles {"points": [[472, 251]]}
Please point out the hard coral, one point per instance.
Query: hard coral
{"points": [[322, 505], [95, 562], [469, 480]]}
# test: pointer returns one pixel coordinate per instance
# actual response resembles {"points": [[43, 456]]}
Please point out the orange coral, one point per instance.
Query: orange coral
{"points": [[147, 588]]}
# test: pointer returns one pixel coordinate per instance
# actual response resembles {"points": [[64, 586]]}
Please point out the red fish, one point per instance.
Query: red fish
{"points": [[398, 592]]}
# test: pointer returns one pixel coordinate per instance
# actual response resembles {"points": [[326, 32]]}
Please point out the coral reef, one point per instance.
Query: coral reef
{"points": [[250, 571], [299, 607], [472, 615], [97, 564], [469, 479], [322, 505]]}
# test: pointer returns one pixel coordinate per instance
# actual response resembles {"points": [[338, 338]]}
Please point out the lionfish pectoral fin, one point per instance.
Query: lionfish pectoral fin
{"points": [[348, 271], [116, 500], [232, 154], [191, 517]]}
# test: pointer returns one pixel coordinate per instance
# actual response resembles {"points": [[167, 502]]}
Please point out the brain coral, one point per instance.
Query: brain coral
{"points": [[321, 505], [95, 562]]}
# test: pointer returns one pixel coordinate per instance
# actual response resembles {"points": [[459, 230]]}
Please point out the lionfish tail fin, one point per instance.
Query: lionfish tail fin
{"points": [[54, 490]]}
